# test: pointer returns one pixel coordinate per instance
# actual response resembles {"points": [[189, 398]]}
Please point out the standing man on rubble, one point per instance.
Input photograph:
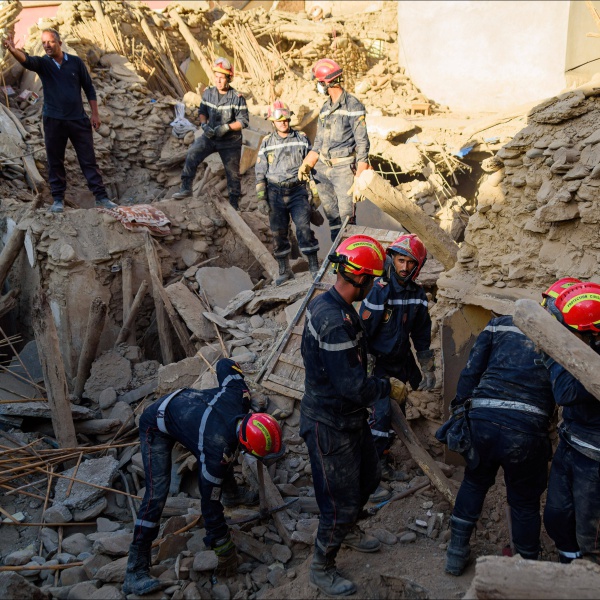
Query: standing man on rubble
{"points": [[341, 148], [504, 404], [333, 413], [63, 76], [394, 313], [281, 194], [223, 115], [572, 513], [211, 424]]}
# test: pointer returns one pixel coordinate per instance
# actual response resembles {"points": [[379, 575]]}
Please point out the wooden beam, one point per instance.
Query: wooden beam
{"points": [[420, 455], [393, 202], [95, 324], [55, 380], [128, 330], [558, 342], [127, 286]]}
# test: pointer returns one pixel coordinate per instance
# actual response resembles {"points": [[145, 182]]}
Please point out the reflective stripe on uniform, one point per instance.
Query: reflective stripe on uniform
{"points": [[396, 302], [220, 107], [148, 524], [570, 554], [507, 404], [380, 433], [331, 347], [583, 444], [345, 113], [288, 145], [160, 413], [501, 328]]}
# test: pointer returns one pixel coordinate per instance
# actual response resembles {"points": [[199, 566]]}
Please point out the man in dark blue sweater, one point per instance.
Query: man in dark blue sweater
{"points": [[63, 77]]}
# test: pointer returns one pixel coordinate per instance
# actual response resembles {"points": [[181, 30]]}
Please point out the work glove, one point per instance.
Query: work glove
{"points": [[304, 172], [209, 132], [227, 557], [425, 358], [221, 130], [316, 200], [398, 391], [263, 207], [356, 194]]}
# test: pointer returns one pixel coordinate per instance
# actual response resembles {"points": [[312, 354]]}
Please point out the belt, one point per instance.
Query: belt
{"points": [[334, 162], [584, 447], [507, 404], [160, 414], [287, 185]]}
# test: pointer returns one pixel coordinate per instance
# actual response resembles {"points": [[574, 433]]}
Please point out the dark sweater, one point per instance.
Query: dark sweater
{"points": [[62, 87]]}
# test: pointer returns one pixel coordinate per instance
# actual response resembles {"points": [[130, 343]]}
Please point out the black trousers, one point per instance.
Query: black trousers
{"points": [[57, 132]]}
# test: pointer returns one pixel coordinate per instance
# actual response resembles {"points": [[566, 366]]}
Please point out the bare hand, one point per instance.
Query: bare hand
{"points": [[95, 122], [9, 41]]}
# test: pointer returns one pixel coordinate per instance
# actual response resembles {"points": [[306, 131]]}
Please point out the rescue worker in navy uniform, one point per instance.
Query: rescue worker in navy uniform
{"points": [[394, 313], [211, 424], [281, 194], [223, 115], [333, 412], [507, 394], [572, 513], [341, 148]]}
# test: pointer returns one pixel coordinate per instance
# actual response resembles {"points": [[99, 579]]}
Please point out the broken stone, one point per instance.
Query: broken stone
{"points": [[109, 370], [94, 563], [82, 591], [303, 538], [222, 285], [139, 393], [263, 333], [235, 305], [108, 592], [113, 572], [91, 512], [189, 306], [117, 545], [181, 374], [16, 587], [407, 537], [122, 412], [106, 525], [73, 575], [107, 398], [42, 410], [76, 544], [100, 471], [58, 513], [205, 561], [49, 538], [221, 592], [384, 536], [171, 546], [19, 557], [281, 553], [557, 212]]}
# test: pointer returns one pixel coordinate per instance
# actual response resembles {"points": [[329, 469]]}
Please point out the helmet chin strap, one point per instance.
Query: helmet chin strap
{"points": [[346, 277]]}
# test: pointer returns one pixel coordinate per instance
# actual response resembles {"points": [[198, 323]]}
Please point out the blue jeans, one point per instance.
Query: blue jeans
{"points": [[156, 449], [572, 514], [230, 155], [285, 203], [524, 458], [345, 471], [333, 184]]}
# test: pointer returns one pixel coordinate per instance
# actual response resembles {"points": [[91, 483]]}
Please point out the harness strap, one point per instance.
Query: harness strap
{"points": [[160, 414]]}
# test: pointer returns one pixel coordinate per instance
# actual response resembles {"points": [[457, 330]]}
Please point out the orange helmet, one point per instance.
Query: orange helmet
{"points": [[279, 111], [359, 255], [410, 245], [557, 288], [327, 71], [222, 65], [260, 435], [578, 307]]}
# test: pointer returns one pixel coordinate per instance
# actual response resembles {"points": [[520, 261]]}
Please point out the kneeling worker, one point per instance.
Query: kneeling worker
{"points": [[211, 424], [281, 194]]}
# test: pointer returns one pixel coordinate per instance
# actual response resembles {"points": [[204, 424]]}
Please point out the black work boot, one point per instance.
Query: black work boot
{"points": [[459, 550], [185, 191], [57, 206], [324, 576], [285, 270], [361, 541], [313, 264], [235, 202], [137, 575], [388, 473]]}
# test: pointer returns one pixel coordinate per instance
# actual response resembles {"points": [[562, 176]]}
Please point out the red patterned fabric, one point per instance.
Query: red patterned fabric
{"points": [[140, 217]]}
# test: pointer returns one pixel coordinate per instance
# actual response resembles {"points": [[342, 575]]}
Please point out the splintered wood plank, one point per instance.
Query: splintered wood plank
{"points": [[284, 390], [291, 360], [299, 387]]}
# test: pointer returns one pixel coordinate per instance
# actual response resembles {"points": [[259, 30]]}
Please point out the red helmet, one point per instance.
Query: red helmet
{"points": [[578, 307], [326, 70], [260, 434], [222, 65], [279, 111], [410, 245], [557, 288], [360, 255]]}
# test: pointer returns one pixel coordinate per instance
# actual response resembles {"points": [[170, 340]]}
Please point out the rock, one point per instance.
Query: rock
{"points": [[64, 558], [307, 525], [275, 576], [82, 591], [100, 471], [560, 211], [16, 587], [76, 544], [303, 538], [407, 537], [388, 128], [106, 525], [73, 575], [89, 513], [41, 410], [221, 592], [205, 561], [113, 572], [117, 545], [19, 557], [221, 285], [108, 592], [384, 536], [263, 333], [558, 109], [256, 321], [109, 370], [107, 398], [192, 592], [171, 546], [121, 411], [180, 374], [49, 538], [189, 306], [94, 563], [281, 553]]}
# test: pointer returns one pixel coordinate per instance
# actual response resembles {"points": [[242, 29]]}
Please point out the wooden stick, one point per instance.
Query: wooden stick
{"points": [[127, 285], [127, 331], [41, 567], [73, 524], [75, 469], [7, 487], [9, 516], [9, 342], [191, 42], [95, 324], [206, 303]]}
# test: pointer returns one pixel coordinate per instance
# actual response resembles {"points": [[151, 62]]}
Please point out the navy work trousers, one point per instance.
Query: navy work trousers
{"points": [[285, 203], [572, 514], [345, 472], [156, 449], [57, 132], [334, 184], [230, 155], [524, 458]]}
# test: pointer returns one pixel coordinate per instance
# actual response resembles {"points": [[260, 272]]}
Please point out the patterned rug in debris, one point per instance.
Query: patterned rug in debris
{"points": [[140, 217]]}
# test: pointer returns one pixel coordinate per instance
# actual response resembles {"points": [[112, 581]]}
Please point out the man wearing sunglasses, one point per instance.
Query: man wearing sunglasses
{"points": [[223, 115]]}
